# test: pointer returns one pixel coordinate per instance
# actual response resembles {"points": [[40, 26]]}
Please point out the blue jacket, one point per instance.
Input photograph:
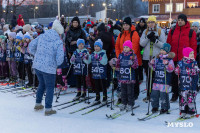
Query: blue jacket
{"points": [[48, 52]]}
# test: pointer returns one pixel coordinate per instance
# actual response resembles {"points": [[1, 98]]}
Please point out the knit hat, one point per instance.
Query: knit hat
{"points": [[2, 37], [195, 24], [99, 43], [182, 16], [152, 18], [128, 44], [79, 41], [50, 24], [118, 22], [19, 35], [27, 35], [76, 19], [166, 47], [12, 34], [39, 26], [91, 30], [187, 51], [142, 20], [58, 27], [127, 20], [101, 27], [27, 27], [89, 24]]}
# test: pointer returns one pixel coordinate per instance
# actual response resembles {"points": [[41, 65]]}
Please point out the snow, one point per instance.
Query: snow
{"points": [[18, 116]]}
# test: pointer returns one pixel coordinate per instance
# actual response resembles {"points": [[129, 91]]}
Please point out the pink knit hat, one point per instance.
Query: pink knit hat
{"points": [[128, 44], [187, 51]]}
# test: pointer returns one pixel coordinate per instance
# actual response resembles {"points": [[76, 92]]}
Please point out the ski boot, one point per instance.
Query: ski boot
{"points": [[78, 95], [154, 110], [97, 100], [104, 101], [83, 96], [122, 107], [163, 111], [38, 107], [182, 115], [129, 108], [49, 112]]}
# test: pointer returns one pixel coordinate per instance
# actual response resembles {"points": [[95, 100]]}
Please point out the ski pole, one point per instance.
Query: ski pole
{"points": [[151, 70], [112, 97], [88, 88]]}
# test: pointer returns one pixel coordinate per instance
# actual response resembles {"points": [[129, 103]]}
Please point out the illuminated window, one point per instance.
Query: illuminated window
{"points": [[168, 8], [179, 7]]}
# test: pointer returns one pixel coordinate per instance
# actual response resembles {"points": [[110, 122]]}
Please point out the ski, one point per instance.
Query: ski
{"points": [[86, 107], [120, 113], [65, 103], [26, 90], [182, 119], [25, 95], [71, 92], [96, 108], [154, 115], [77, 102], [12, 89]]}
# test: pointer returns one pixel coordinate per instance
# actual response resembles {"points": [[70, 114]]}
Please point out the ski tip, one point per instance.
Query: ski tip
{"points": [[197, 115]]}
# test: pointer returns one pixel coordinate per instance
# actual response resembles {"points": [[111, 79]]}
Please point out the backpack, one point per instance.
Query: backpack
{"points": [[190, 33], [130, 35]]}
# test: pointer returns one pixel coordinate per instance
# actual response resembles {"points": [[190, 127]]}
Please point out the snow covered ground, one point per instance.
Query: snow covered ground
{"points": [[17, 116]]}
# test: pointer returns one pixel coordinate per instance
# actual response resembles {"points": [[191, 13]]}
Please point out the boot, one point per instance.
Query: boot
{"points": [[182, 115], [122, 107], [163, 111], [174, 98], [188, 116], [104, 101], [129, 108], [83, 96], [78, 95], [97, 100], [38, 107], [119, 101], [49, 112], [154, 110]]}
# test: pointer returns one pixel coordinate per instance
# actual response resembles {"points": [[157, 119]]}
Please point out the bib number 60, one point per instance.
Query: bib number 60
{"points": [[124, 71]]}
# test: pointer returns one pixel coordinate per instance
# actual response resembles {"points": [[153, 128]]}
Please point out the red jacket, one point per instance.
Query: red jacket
{"points": [[180, 39], [20, 21]]}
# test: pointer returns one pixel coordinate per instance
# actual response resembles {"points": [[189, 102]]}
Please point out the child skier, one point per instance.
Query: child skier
{"points": [[126, 63], [99, 61], [3, 67], [163, 66], [28, 58], [61, 76], [80, 60], [10, 56], [19, 57], [187, 71]]}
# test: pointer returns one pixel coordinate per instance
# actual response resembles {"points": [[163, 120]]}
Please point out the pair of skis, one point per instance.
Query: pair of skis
{"points": [[182, 119], [154, 115], [119, 113]]}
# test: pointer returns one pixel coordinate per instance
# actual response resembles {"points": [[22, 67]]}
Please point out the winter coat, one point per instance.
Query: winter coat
{"points": [[126, 35], [180, 40], [73, 35], [125, 68], [145, 42], [20, 21], [99, 62], [187, 71], [140, 29], [48, 52], [13, 21]]}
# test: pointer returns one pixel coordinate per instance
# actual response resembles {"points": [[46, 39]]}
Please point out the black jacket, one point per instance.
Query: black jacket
{"points": [[140, 29], [73, 35]]}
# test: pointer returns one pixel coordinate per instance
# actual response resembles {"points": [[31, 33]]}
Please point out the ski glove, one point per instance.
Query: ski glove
{"points": [[149, 36]]}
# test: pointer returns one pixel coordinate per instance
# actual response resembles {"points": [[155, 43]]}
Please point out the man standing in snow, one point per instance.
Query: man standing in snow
{"points": [[179, 37]]}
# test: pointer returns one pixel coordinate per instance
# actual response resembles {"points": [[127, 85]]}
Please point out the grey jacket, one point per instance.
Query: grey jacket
{"points": [[145, 42]]}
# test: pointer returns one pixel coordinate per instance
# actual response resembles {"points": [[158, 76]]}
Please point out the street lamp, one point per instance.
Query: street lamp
{"points": [[36, 8], [76, 13], [104, 4]]}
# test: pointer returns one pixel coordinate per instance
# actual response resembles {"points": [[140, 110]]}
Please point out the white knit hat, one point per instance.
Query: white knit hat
{"points": [[19, 35], [58, 27], [27, 35], [12, 34]]}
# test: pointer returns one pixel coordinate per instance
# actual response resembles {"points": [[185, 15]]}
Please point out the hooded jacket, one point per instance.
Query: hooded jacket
{"points": [[180, 39], [135, 41], [20, 21]]}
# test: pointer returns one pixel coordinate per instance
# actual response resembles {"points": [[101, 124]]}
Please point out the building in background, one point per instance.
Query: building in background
{"points": [[161, 9]]}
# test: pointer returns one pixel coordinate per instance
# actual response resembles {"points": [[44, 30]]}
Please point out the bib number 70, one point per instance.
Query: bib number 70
{"points": [[186, 79]]}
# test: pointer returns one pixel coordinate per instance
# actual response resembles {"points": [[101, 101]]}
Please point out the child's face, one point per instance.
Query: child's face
{"points": [[80, 46], [127, 49], [163, 52], [191, 55], [27, 40], [97, 48], [10, 38]]}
